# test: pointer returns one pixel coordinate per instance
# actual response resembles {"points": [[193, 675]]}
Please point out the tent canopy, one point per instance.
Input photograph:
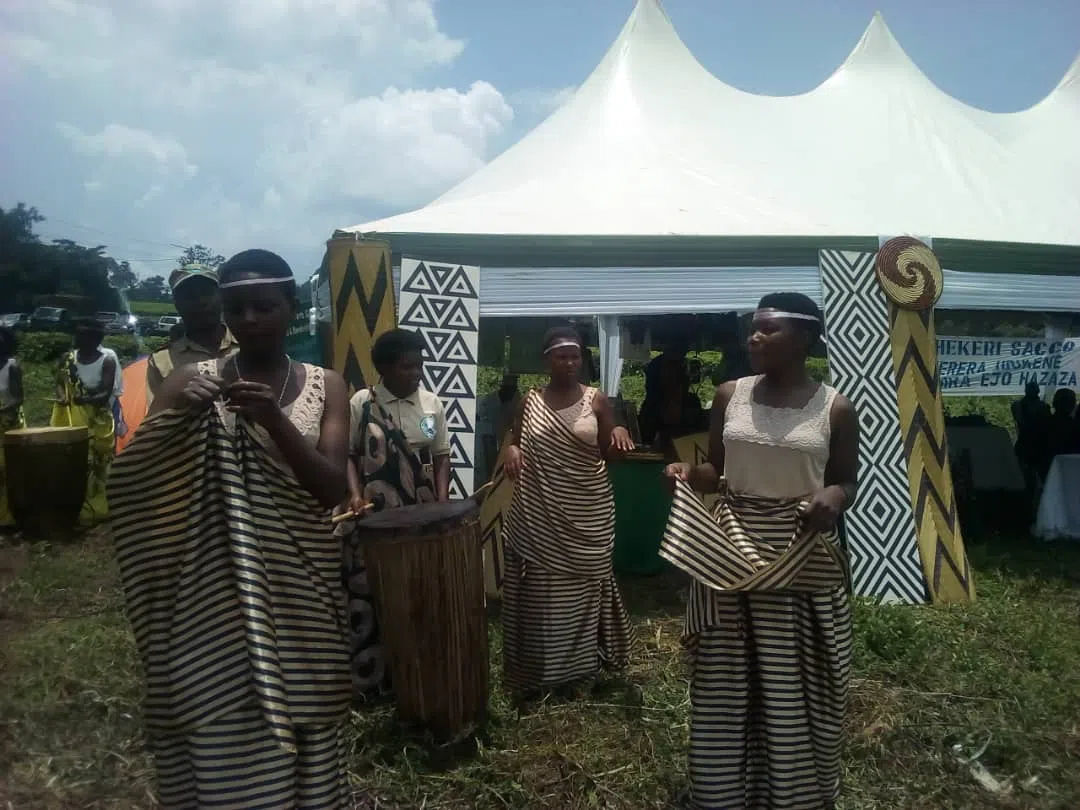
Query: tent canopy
{"points": [[654, 153]]}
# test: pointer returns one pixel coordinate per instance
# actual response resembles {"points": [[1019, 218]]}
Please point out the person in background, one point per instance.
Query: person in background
{"points": [[671, 408], [1064, 437], [1032, 418], [399, 455], [562, 615], [494, 416], [203, 335], [85, 390], [230, 569], [771, 667], [11, 406]]}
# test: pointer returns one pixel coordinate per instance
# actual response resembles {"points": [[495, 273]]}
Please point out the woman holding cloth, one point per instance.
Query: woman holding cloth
{"points": [[562, 613], [771, 652], [231, 573]]}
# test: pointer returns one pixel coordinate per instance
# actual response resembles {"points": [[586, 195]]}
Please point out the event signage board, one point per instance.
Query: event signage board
{"points": [[990, 366]]}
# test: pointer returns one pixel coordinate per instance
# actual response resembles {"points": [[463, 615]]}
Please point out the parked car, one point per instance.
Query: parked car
{"points": [[51, 319], [18, 321], [118, 323], [165, 325]]}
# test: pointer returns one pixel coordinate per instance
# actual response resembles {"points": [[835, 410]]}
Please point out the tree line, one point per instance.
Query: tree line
{"points": [[32, 272]]}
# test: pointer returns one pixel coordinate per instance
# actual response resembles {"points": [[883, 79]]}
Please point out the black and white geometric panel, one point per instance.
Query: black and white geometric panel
{"points": [[880, 527], [442, 302]]}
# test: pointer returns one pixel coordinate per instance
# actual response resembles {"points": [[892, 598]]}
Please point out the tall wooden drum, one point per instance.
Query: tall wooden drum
{"points": [[46, 479], [426, 571]]}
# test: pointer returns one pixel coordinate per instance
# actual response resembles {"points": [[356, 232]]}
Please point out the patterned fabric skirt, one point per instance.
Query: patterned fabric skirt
{"points": [[559, 629], [768, 696], [234, 762], [370, 675]]}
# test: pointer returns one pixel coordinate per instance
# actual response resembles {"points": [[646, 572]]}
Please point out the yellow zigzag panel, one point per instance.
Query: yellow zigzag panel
{"points": [[361, 305], [922, 424], [910, 275]]}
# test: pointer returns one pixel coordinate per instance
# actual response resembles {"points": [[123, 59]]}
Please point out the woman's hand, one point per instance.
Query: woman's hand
{"points": [[256, 401], [357, 504], [513, 463], [201, 390], [620, 440], [678, 471], [825, 508]]}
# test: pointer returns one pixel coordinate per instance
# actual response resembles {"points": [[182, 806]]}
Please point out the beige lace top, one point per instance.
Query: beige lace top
{"points": [[581, 419], [305, 412], [776, 452]]}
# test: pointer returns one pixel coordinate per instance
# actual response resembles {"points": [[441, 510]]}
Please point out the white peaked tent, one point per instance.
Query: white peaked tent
{"points": [[656, 163]]}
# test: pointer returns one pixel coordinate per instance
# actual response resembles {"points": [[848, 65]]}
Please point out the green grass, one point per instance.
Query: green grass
{"points": [[152, 307], [931, 684], [1004, 671]]}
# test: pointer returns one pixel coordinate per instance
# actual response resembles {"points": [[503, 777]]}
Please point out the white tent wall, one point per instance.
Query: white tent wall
{"points": [[653, 145]]}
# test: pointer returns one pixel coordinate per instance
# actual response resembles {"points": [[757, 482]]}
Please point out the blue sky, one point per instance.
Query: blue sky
{"points": [[271, 124]]}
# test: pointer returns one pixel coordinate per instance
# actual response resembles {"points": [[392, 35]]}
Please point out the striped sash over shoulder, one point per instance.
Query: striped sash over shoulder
{"points": [[231, 577], [562, 516], [750, 544]]}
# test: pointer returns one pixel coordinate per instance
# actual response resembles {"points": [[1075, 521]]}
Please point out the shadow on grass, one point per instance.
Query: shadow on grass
{"points": [[1026, 556]]}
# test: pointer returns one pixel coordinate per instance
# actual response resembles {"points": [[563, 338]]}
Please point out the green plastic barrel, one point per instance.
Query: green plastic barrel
{"points": [[642, 503]]}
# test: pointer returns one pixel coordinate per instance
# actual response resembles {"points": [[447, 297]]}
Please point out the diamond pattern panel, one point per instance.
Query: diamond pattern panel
{"points": [[881, 536]]}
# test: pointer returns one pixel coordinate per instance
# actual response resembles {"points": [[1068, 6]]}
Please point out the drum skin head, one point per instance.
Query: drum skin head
{"points": [[46, 435], [419, 516]]}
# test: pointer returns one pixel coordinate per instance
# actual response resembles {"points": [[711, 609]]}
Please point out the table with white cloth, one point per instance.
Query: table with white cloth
{"points": [[1059, 507]]}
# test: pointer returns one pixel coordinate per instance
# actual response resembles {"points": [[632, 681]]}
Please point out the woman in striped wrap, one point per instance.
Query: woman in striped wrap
{"points": [[768, 624], [562, 613], [230, 570]]}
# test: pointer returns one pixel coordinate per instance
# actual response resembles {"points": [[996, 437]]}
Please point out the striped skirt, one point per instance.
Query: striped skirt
{"points": [[234, 763], [770, 640], [768, 695], [559, 629]]}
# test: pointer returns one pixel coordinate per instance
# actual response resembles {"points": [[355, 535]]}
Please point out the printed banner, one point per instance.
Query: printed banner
{"points": [[1003, 366]]}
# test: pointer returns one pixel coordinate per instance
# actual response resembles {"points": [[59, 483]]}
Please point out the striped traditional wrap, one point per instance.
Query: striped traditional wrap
{"points": [[232, 580], [747, 544]]}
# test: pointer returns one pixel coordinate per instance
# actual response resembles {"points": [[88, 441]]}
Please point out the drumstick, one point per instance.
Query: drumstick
{"points": [[351, 514]]}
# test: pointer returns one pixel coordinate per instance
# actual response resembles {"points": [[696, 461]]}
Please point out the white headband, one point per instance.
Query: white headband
{"points": [[562, 344], [247, 282], [776, 313]]}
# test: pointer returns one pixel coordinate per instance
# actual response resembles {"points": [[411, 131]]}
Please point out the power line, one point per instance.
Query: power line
{"points": [[127, 239]]}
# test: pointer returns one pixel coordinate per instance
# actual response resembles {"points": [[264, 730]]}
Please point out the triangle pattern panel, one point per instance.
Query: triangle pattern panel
{"points": [[442, 303], [460, 286], [457, 420], [419, 281], [441, 274], [881, 535]]}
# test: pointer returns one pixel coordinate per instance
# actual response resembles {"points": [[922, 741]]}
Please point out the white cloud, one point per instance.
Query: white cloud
{"points": [[116, 140], [267, 122]]}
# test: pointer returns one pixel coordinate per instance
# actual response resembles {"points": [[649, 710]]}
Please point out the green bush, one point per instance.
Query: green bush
{"points": [[49, 347]]}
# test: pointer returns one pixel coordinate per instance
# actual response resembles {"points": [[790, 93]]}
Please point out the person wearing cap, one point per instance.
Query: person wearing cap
{"points": [[205, 337], [768, 620]]}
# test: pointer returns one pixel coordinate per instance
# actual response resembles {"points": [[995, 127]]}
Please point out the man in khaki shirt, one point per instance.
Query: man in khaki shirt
{"points": [[198, 301]]}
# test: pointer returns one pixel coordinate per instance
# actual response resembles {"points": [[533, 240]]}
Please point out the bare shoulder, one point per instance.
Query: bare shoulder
{"points": [[600, 400], [842, 413], [335, 384], [724, 392]]}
